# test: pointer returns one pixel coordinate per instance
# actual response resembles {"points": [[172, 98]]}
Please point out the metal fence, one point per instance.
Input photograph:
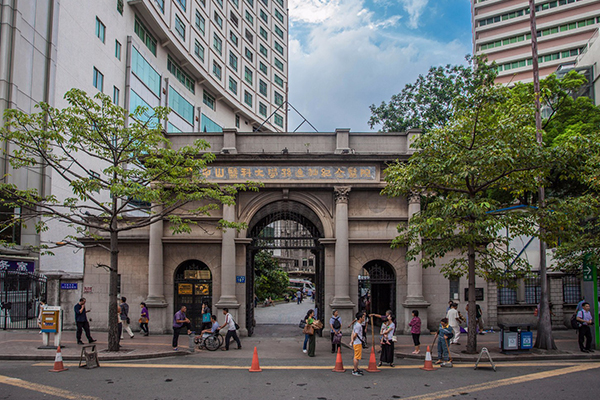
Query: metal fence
{"points": [[20, 295], [571, 289]]}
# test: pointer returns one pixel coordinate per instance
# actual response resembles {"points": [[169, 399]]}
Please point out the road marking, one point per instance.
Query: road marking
{"points": [[300, 367], [36, 387], [503, 382]]}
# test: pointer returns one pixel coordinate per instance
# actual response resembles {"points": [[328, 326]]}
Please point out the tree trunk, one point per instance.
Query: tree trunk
{"points": [[472, 313], [113, 337]]}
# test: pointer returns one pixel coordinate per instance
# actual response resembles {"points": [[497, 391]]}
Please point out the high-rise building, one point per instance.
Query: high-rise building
{"points": [[501, 30], [216, 63]]}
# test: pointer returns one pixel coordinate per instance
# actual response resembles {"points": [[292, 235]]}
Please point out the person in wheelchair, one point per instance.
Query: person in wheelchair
{"points": [[214, 329]]}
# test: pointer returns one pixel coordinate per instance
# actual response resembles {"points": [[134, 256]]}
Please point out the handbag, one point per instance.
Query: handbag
{"points": [[318, 324], [237, 327], [128, 321], [309, 329], [143, 320], [302, 324], [394, 338], [337, 338], [206, 317]]}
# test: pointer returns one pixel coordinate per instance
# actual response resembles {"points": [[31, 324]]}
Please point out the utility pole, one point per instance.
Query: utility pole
{"points": [[544, 338]]}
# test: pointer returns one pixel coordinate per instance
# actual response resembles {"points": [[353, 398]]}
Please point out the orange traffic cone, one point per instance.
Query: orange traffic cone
{"points": [[58, 363], [428, 364], [339, 366], [255, 367], [372, 362]]}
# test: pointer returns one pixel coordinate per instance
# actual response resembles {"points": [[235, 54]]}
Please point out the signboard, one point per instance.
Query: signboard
{"points": [[21, 266], [185, 288], [318, 172], [478, 294], [68, 286], [588, 275], [240, 279], [87, 289]]}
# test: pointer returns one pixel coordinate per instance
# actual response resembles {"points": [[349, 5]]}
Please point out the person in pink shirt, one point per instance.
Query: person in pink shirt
{"points": [[415, 330]]}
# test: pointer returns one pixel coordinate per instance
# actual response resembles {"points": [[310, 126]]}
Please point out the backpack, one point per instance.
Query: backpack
{"points": [[574, 323], [336, 324]]}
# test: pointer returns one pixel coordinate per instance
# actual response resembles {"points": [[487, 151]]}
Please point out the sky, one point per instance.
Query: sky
{"points": [[345, 55]]}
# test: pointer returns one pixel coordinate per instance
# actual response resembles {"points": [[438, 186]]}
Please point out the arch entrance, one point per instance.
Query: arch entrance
{"points": [[377, 288], [290, 231], [193, 286]]}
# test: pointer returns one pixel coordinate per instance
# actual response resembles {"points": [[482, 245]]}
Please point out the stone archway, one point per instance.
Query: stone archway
{"points": [[193, 286]]}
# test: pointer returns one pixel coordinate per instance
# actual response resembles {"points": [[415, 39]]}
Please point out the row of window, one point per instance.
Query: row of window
{"points": [[524, 11], [540, 33], [541, 59], [183, 3], [507, 290]]}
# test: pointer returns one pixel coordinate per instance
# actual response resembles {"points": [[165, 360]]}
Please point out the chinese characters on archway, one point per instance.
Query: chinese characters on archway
{"points": [[290, 173]]}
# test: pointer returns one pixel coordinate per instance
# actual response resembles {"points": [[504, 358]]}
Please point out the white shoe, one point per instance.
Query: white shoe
{"points": [[304, 351]]}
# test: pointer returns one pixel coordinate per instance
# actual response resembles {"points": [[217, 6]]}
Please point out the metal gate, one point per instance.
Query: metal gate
{"points": [[284, 230], [193, 286], [20, 295], [377, 288]]}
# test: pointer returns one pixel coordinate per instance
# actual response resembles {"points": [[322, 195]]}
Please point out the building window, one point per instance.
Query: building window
{"points": [[248, 98], [181, 106], [262, 109], [161, 5], [280, 2], [264, 17], [208, 125], [218, 44], [145, 72], [233, 85], [278, 47], [220, 3], [250, 2], [248, 54], [507, 291], [278, 64], [118, 50], [233, 18], [116, 93], [233, 61], [265, 2], [278, 120], [182, 3], [216, 70], [120, 6], [181, 76], [237, 121], [209, 100], [278, 98], [533, 289], [262, 87], [248, 75], [279, 16], [279, 31], [249, 36], [203, 3], [263, 33], [571, 289], [200, 22], [98, 80], [233, 38], [263, 51], [218, 20], [278, 81], [100, 30], [199, 50], [262, 67], [179, 27], [236, 3], [145, 37], [249, 18]]}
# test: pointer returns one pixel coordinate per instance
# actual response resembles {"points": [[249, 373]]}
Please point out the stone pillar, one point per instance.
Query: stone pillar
{"points": [[555, 297], [490, 319], [414, 278], [341, 300], [228, 298], [156, 302]]}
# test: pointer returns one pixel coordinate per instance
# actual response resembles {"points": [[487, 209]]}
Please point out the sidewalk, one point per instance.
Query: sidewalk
{"points": [[275, 342]]}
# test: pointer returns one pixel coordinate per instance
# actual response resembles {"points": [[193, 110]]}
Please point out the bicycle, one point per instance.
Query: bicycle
{"points": [[210, 342]]}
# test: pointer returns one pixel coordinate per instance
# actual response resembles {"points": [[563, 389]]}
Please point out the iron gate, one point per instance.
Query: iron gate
{"points": [[20, 295]]}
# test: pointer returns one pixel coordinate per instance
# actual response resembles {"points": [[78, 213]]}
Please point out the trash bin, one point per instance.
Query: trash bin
{"points": [[515, 338]]}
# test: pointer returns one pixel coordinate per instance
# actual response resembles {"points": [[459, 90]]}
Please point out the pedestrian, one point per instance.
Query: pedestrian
{"points": [[231, 330], [214, 329], [356, 341], [415, 331], [298, 297], [39, 318], [119, 326], [206, 324], [454, 322], [335, 322], [584, 317], [144, 319], [82, 321], [124, 314], [387, 341], [383, 318], [443, 335], [309, 314], [309, 329], [180, 321]]}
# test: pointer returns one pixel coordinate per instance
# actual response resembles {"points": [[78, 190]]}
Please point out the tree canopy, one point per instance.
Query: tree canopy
{"points": [[271, 280]]}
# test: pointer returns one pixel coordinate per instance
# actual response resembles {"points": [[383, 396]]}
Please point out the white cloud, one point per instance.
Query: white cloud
{"points": [[343, 58], [414, 8]]}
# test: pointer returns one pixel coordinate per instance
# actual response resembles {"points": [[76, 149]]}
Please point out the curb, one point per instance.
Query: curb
{"points": [[503, 358], [101, 357]]}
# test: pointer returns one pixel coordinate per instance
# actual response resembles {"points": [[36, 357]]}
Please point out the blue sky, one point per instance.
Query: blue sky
{"points": [[345, 55]]}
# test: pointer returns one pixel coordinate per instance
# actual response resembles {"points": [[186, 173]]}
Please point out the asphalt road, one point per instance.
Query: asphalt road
{"points": [[225, 376]]}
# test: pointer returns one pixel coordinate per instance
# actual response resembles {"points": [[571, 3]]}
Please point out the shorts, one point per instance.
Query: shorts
{"points": [[357, 351], [416, 339]]}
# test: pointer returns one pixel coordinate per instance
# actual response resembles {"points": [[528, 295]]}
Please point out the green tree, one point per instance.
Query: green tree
{"points": [[143, 179], [487, 146], [270, 279]]}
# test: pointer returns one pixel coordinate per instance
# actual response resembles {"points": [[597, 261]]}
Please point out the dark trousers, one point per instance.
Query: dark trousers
{"points": [[85, 326], [232, 334], [176, 331], [334, 347], [585, 332], [144, 327], [119, 331]]}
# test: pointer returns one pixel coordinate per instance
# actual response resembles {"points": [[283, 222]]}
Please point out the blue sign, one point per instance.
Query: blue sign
{"points": [[526, 340], [68, 286], [240, 279], [21, 266]]}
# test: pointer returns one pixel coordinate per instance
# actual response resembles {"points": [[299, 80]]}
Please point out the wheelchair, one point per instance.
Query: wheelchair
{"points": [[209, 341]]}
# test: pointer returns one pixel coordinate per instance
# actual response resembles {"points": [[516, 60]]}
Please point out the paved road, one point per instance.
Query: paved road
{"points": [[283, 313]]}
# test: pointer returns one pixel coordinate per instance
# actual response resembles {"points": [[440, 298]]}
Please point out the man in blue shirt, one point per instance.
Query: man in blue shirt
{"points": [[82, 321], [584, 317]]}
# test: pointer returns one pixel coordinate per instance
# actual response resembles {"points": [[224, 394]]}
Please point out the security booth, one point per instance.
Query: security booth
{"points": [[515, 338], [51, 323]]}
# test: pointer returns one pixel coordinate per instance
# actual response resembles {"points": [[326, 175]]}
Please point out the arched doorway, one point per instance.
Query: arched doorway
{"points": [[377, 288], [290, 231], [193, 286]]}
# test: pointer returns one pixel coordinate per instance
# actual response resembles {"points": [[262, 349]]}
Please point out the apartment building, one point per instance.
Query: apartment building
{"points": [[501, 30]]}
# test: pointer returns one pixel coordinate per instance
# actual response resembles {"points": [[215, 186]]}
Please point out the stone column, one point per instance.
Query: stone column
{"points": [[342, 252], [156, 287], [228, 298], [414, 277]]}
